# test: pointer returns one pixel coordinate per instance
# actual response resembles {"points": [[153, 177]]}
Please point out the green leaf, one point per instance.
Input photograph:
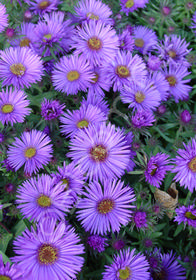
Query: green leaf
{"points": [[19, 228], [4, 240], [163, 135], [5, 258], [178, 229], [136, 172]]}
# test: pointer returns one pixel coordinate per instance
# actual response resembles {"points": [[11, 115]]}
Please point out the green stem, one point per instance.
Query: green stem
{"points": [[5, 228]]}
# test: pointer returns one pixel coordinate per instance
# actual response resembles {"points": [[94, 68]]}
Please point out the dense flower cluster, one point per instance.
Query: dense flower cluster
{"points": [[97, 140]]}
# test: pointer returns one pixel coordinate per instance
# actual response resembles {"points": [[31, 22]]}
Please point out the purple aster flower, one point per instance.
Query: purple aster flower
{"points": [[185, 117], [96, 42], [124, 69], [97, 101], [72, 122], [174, 49], [118, 244], [10, 32], [68, 29], [145, 39], [161, 84], [6, 164], [185, 166], [42, 6], [99, 82], [141, 96], [52, 33], [27, 15], [105, 210], [53, 250], [41, 197], [126, 41], [51, 109], [71, 178], [128, 6], [194, 22], [20, 67], [97, 242], [157, 168], [128, 266], [186, 215], [25, 36], [101, 152], [13, 106], [139, 219], [72, 74], [32, 150], [169, 268], [2, 137], [161, 109], [142, 118], [93, 10], [8, 272], [177, 85], [154, 63], [3, 18]]}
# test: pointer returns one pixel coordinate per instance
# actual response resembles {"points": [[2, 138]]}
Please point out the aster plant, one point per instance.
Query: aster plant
{"points": [[42, 6], [74, 121], [101, 211], [185, 166], [127, 265], [96, 42], [97, 137], [186, 215], [93, 10], [13, 106], [20, 67], [3, 18], [100, 151], [40, 198], [32, 149], [53, 248], [72, 74]]}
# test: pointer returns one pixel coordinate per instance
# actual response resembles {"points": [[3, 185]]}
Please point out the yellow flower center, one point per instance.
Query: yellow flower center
{"points": [[154, 170], [192, 164], [92, 16], [47, 37], [105, 206], [7, 108], [25, 42], [82, 124], [122, 71], [171, 80], [18, 69], [124, 274], [98, 153], [94, 43], [139, 97], [44, 4], [73, 76], [189, 215], [2, 277], [172, 54], [65, 181], [44, 201], [139, 43], [129, 4], [122, 44], [30, 152], [47, 254], [95, 79]]}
